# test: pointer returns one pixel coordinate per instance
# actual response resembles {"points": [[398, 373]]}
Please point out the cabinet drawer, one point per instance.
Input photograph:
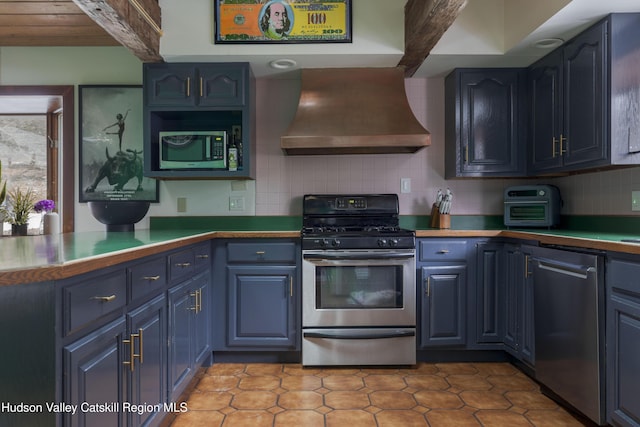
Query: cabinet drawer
{"points": [[442, 249], [202, 255], [281, 252], [181, 264], [624, 275], [92, 298], [147, 277]]}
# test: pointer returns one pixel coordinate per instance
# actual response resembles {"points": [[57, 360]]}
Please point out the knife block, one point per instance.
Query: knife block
{"points": [[439, 220]]}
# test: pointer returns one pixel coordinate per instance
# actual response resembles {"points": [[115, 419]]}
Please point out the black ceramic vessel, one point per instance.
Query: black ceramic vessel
{"points": [[119, 216]]}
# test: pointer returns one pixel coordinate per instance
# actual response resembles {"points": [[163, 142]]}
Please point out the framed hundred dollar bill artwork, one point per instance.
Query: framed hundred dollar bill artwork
{"points": [[282, 21], [111, 155]]}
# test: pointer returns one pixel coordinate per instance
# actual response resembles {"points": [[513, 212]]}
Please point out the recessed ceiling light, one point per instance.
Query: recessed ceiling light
{"points": [[548, 43], [282, 64]]}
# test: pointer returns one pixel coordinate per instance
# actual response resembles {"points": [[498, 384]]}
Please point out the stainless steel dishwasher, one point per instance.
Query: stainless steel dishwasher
{"points": [[569, 332]]}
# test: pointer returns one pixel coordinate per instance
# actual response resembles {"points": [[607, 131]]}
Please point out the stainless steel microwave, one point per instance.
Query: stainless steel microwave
{"points": [[193, 150], [532, 206]]}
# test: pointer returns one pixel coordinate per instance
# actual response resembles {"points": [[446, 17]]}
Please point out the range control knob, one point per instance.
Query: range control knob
{"points": [[382, 243], [335, 243], [393, 242], [324, 243]]}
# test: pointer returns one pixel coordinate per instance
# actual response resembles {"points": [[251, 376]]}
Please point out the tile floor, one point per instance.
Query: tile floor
{"points": [[440, 394]]}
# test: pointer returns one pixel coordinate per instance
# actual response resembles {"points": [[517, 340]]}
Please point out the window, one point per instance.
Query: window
{"points": [[38, 112], [24, 148]]}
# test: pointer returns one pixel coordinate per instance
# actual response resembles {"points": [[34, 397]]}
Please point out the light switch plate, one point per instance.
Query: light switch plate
{"points": [[182, 204], [635, 200], [405, 185], [236, 203]]}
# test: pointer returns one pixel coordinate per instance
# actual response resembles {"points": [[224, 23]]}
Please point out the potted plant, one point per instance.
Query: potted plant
{"points": [[20, 205]]}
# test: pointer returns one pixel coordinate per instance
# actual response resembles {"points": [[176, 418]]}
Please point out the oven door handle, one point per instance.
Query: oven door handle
{"points": [[355, 336], [362, 256]]}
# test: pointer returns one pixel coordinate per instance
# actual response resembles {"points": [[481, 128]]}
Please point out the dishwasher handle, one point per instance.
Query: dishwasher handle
{"points": [[579, 271]]}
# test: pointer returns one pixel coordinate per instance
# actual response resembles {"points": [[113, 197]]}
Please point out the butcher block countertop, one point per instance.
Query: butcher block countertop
{"points": [[43, 258]]}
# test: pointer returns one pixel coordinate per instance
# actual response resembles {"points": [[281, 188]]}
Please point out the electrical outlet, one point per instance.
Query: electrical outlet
{"points": [[181, 204], [236, 203], [405, 185], [635, 200]]}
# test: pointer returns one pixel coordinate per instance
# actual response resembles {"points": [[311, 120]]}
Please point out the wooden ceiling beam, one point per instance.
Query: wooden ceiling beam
{"points": [[135, 24], [425, 21]]}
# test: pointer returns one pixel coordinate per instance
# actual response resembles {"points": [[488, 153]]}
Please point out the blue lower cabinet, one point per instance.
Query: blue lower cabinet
{"points": [[623, 343], [261, 306], [189, 323], [147, 348], [443, 308], [95, 375]]}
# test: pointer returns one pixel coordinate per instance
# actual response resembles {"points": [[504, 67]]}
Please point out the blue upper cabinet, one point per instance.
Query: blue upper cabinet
{"points": [[582, 99], [485, 123], [195, 97]]}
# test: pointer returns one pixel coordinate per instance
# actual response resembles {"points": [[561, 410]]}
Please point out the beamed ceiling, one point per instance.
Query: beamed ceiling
{"points": [[136, 25]]}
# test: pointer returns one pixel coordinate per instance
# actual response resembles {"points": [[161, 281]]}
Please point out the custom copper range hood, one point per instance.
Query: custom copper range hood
{"points": [[354, 111]]}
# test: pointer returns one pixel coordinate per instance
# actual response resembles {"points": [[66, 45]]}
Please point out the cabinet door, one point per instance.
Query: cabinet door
{"points": [[202, 317], [545, 88], [95, 375], [488, 124], [585, 86], [182, 303], [443, 305], [147, 329], [261, 306], [528, 326], [514, 290], [222, 84], [170, 85], [489, 321], [623, 341]]}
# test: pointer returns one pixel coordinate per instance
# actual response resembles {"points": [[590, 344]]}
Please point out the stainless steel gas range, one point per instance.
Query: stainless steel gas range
{"points": [[358, 282]]}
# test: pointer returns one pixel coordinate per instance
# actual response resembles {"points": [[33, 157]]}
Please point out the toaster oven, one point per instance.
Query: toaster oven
{"points": [[532, 206]]}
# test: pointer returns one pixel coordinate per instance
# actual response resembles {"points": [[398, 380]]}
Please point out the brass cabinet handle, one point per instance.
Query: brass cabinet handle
{"points": [[188, 86], [428, 291], [291, 286], [527, 273], [104, 298], [562, 140], [201, 87], [260, 252], [443, 251], [202, 256], [197, 295], [466, 154], [183, 264], [132, 350], [151, 278]]}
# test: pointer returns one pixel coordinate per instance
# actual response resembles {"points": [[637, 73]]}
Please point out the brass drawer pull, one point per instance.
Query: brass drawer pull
{"points": [[443, 251], [183, 264], [202, 256], [104, 298], [260, 252], [151, 278]]}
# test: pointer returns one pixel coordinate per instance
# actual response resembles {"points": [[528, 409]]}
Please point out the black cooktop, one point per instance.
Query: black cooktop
{"points": [[361, 221]]}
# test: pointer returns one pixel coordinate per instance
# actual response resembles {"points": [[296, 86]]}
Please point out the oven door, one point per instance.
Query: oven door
{"points": [[358, 288]]}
